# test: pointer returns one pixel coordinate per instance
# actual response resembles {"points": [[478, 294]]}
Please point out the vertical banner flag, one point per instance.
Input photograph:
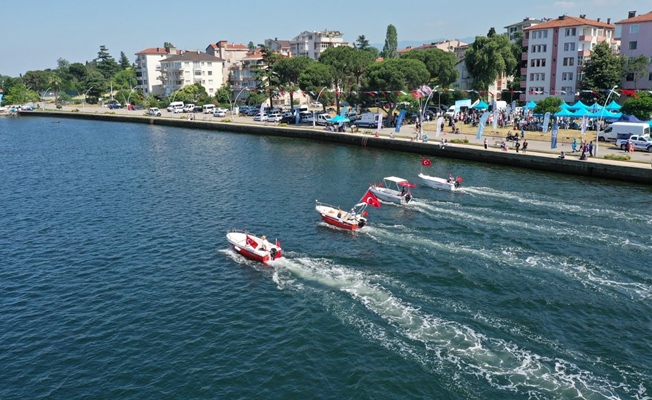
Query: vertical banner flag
{"points": [[546, 121], [380, 122], [440, 122], [1, 95], [494, 122], [482, 123], [585, 123], [399, 121], [262, 110], [553, 138], [343, 112], [297, 116]]}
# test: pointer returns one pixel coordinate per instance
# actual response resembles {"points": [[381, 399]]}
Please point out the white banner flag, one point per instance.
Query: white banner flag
{"points": [[585, 123], [380, 122], [440, 121]]}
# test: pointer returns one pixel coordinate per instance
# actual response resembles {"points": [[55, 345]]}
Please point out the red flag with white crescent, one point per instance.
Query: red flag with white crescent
{"points": [[251, 242], [425, 162], [371, 199]]}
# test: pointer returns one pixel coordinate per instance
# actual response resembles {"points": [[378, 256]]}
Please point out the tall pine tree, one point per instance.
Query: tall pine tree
{"points": [[390, 49]]}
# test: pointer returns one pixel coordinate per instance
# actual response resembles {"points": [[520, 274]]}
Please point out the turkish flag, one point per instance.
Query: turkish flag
{"points": [[425, 162], [251, 242], [371, 199]]}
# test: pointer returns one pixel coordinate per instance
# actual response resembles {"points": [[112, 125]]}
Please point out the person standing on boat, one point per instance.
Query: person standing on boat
{"points": [[265, 245]]}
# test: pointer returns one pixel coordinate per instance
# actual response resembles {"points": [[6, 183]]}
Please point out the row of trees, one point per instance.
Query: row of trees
{"points": [[92, 79]]}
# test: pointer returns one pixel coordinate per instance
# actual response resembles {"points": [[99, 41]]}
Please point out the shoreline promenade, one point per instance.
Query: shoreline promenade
{"points": [[539, 155]]}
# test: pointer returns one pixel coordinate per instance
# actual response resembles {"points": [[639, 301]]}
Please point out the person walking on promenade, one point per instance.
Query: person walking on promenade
{"points": [[486, 143], [517, 145], [525, 146], [574, 145], [591, 149]]}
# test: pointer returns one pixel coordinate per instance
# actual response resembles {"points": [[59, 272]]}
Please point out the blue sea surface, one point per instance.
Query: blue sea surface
{"points": [[116, 279]]}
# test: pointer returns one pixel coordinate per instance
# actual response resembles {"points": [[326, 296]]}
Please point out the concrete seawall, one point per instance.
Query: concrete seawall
{"points": [[597, 168]]}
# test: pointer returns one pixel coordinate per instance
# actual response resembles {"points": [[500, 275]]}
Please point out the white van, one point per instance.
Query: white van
{"points": [[175, 104], [611, 132], [208, 108]]}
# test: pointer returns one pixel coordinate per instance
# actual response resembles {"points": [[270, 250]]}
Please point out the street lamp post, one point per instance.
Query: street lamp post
{"points": [[85, 95], [597, 131], [43, 95], [316, 101], [423, 111], [236, 100]]}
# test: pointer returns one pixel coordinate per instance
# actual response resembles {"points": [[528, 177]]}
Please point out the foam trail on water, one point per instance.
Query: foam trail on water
{"points": [[445, 344]]}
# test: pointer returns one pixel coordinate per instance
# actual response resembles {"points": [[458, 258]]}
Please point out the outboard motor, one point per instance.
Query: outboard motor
{"points": [[361, 223], [272, 253], [408, 197]]}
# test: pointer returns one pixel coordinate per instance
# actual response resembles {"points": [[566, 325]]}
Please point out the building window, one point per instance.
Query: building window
{"points": [[629, 77], [569, 46], [569, 61], [633, 28], [210, 72], [571, 31], [210, 63], [633, 45], [649, 76], [567, 89]]}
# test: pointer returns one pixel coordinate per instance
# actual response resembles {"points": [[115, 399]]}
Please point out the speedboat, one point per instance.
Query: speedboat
{"points": [[253, 247], [393, 189], [441, 183], [352, 220]]}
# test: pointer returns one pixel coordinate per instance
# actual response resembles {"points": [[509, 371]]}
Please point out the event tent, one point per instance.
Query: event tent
{"points": [[481, 106], [578, 105], [613, 105], [564, 113]]}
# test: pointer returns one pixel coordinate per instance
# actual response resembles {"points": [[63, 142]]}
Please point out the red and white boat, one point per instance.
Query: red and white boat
{"points": [[253, 247], [452, 184], [352, 220], [393, 189]]}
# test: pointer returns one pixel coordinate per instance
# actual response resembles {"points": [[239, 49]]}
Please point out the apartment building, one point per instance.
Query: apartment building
{"points": [[635, 34], [516, 30], [279, 46], [191, 67], [148, 68], [556, 51], [232, 54], [312, 43]]}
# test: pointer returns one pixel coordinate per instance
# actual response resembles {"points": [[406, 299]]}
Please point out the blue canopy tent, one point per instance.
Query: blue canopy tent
{"points": [[564, 113], [595, 108], [582, 112], [338, 119], [578, 105], [628, 118], [613, 106], [530, 105], [564, 106], [481, 106]]}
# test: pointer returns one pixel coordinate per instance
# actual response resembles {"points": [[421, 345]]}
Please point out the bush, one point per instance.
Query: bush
{"points": [[617, 157], [462, 141]]}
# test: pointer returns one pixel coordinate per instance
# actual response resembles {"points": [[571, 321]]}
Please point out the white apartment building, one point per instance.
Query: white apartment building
{"points": [[556, 51], [189, 68], [148, 69], [232, 54], [279, 46], [514, 30], [312, 44]]}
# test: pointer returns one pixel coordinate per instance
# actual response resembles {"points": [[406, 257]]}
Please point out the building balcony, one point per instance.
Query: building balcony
{"points": [[524, 57], [525, 42], [523, 71], [586, 38], [523, 84]]}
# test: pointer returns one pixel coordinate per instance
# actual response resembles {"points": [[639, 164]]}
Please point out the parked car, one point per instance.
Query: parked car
{"points": [[177, 109], [154, 111], [219, 113], [288, 119], [252, 112], [208, 108], [315, 104], [274, 117], [189, 108], [260, 117], [172, 107], [114, 106]]}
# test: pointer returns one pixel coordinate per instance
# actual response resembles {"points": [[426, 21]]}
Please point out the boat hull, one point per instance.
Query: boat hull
{"points": [[238, 241], [330, 216], [390, 195], [439, 183]]}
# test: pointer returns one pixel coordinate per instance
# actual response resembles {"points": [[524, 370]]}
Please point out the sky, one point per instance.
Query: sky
{"points": [[36, 33]]}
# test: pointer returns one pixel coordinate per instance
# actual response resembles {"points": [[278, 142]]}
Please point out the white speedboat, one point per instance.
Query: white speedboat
{"points": [[441, 183], [253, 247], [352, 220], [393, 189]]}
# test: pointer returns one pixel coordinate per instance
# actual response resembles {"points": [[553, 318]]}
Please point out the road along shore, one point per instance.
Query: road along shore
{"points": [[537, 157]]}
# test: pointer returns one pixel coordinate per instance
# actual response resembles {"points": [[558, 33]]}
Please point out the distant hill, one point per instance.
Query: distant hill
{"points": [[414, 43]]}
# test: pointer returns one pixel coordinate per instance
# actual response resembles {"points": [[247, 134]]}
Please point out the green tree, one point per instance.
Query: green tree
{"points": [[265, 75], [344, 66], [168, 45], [640, 106], [223, 95], [393, 76], [95, 85], [440, 64], [125, 79], [288, 71], [124, 61], [195, 94], [78, 71], [390, 49], [636, 69], [256, 97], [489, 57], [363, 44], [603, 70], [315, 79], [492, 32], [105, 63], [251, 46], [37, 80], [549, 104], [19, 94]]}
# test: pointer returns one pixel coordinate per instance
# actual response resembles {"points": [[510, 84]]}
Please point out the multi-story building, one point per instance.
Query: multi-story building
{"points": [[189, 68], [635, 34], [230, 53], [279, 46], [556, 51], [148, 68], [452, 46], [516, 30], [312, 44]]}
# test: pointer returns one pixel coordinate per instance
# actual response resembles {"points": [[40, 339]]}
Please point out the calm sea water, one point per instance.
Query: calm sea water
{"points": [[116, 280]]}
